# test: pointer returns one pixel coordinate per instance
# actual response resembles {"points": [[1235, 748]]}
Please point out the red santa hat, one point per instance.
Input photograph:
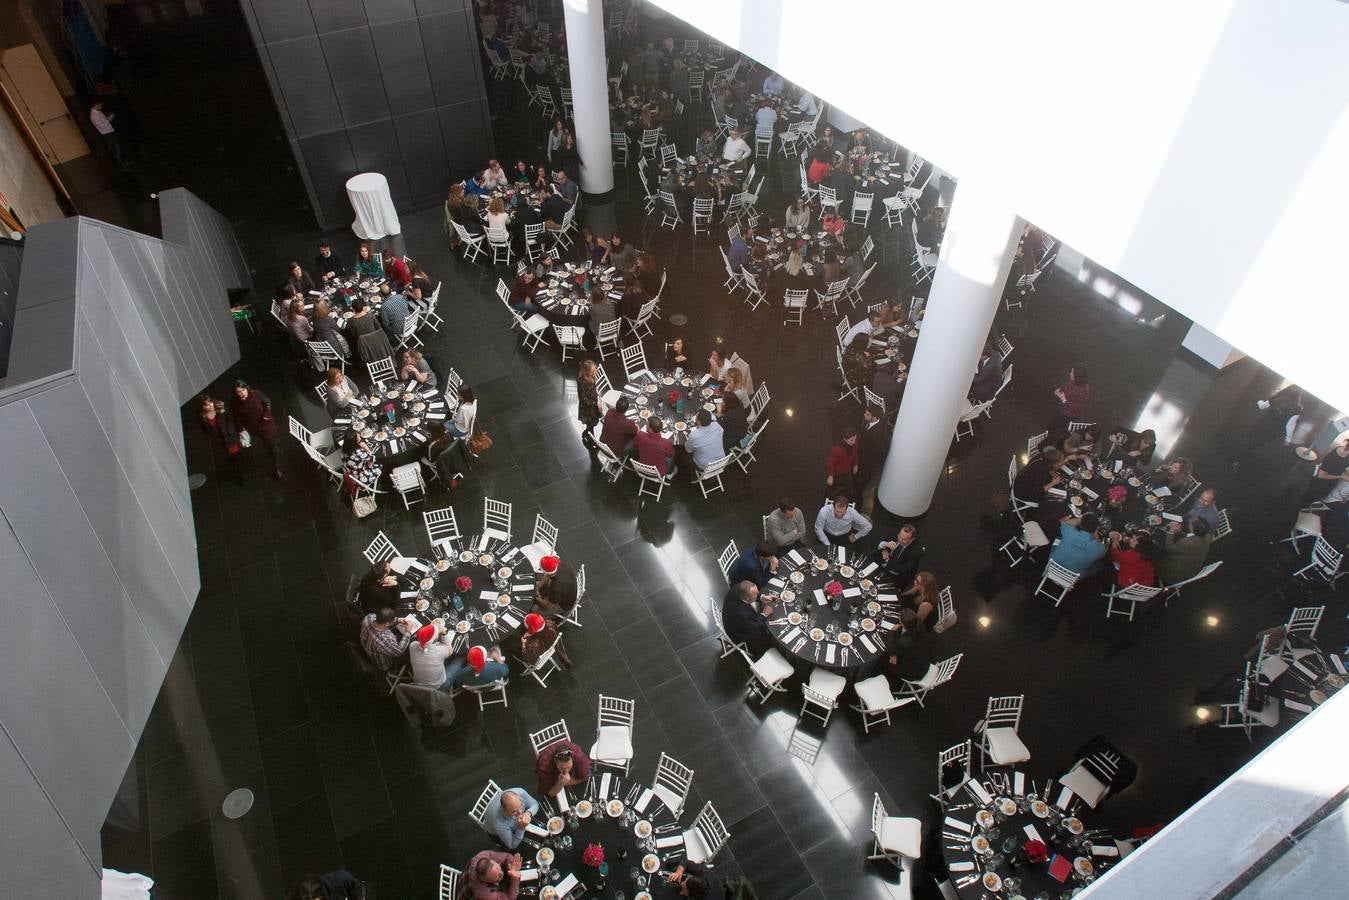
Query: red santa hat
{"points": [[534, 623], [426, 634], [477, 658]]}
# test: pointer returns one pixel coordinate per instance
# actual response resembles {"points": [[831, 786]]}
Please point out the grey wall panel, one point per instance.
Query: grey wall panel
{"points": [[331, 163], [377, 11], [402, 61], [423, 149], [337, 15], [51, 327], [451, 50], [306, 89], [44, 278], [41, 859], [432, 7], [375, 148], [355, 76], [468, 138], [282, 20]]}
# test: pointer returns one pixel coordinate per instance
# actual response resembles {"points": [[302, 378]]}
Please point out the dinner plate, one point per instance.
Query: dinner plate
{"points": [[651, 388], [868, 624], [462, 627], [874, 606], [489, 618], [485, 559], [641, 895], [614, 808], [992, 882], [667, 380], [686, 381], [797, 577], [391, 394], [650, 863], [1008, 806], [794, 618], [710, 407], [844, 638], [423, 603], [641, 399], [1306, 453], [438, 621], [407, 396], [985, 818], [681, 426], [548, 892], [1135, 482], [466, 556], [584, 808], [788, 595], [1083, 866], [644, 413], [504, 572], [708, 392], [503, 599], [399, 431], [821, 564], [555, 825], [845, 571], [1039, 809], [381, 436], [817, 634], [1152, 499], [1073, 824], [867, 584], [979, 843], [913, 332], [442, 565], [642, 829], [414, 421], [1317, 696]]}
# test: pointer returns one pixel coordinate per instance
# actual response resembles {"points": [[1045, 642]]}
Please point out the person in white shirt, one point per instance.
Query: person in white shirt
{"points": [[428, 655], [807, 105], [765, 116], [736, 149], [773, 85], [798, 214], [705, 444], [494, 176], [839, 523], [102, 123], [870, 326]]}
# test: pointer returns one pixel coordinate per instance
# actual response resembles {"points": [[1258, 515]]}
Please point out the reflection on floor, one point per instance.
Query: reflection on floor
{"points": [[258, 695]]}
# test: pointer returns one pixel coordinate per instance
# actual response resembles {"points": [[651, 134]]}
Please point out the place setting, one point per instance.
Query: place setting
{"points": [[481, 592], [394, 417], [676, 397], [568, 289]]}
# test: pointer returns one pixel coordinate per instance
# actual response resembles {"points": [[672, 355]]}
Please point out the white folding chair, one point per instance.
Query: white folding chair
{"points": [[848, 390], [819, 695], [407, 480], [496, 518], [726, 560], [479, 811], [759, 402], [946, 611], [1304, 620], [570, 339], [702, 215], [868, 246], [500, 242], [957, 755], [546, 737], [322, 356], [767, 674], [744, 455], [650, 142], [1058, 576], [829, 297], [709, 476], [1173, 590], [754, 296], [861, 206], [449, 878], [1242, 715], [634, 361], [705, 839], [728, 646], [380, 370], [607, 336], [1033, 445], [1308, 524], [937, 674], [671, 784], [472, 243], [1090, 777], [1224, 525], [875, 701], [1125, 601], [734, 279], [763, 141], [613, 738], [894, 838], [1325, 563], [490, 694], [441, 530], [545, 665], [794, 302], [380, 549], [874, 401], [534, 329], [854, 291], [544, 542], [651, 482], [999, 742], [828, 197], [1004, 347], [641, 326], [969, 413], [670, 217]]}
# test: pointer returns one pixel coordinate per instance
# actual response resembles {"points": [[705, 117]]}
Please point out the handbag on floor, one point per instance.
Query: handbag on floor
{"points": [[479, 442]]}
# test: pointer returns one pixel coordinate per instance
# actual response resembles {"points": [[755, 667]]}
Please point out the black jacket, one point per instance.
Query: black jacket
{"points": [[904, 562], [333, 263], [744, 624]]}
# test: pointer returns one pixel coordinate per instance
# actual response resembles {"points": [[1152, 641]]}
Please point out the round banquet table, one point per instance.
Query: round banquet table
{"points": [[650, 394], [812, 244], [565, 301], [1309, 680], [341, 292], [989, 820], [375, 213], [393, 417], [624, 850], [494, 607], [1084, 489], [805, 623]]}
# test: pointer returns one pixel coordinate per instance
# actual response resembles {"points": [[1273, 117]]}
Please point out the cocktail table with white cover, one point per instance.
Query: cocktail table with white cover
{"points": [[370, 200]]}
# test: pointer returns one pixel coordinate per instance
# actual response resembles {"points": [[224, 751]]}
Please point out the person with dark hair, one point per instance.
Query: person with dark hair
{"points": [[1079, 549], [219, 427], [902, 556], [701, 882], [524, 292], [705, 443], [786, 526], [378, 588], [653, 448], [841, 467], [1072, 396], [385, 637], [562, 764], [298, 280], [492, 875], [328, 264], [1184, 552], [676, 353], [873, 445], [907, 652], [556, 590], [338, 884], [756, 563], [857, 365], [745, 617], [252, 412], [1133, 555], [616, 429], [361, 321], [396, 270], [1038, 476], [987, 376], [734, 419], [1079, 444], [838, 522]]}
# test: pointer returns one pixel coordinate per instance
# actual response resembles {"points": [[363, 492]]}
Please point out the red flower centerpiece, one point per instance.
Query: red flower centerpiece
{"points": [[833, 588], [593, 855], [463, 584], [1035, 851], [673, 397]]}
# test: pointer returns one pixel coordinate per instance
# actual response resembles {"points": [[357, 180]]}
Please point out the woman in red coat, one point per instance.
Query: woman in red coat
{"points": [[397, 271], [1133, 556], [842, 466], [253, 413]]}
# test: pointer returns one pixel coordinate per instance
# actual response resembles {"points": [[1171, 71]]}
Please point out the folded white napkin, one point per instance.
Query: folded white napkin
{"points": [[1104, 850], [1090, 493], [1300, 707], [510, 620], [604, 785], [643, 800], [796, 557], [852, 592], [819, 596], [436, 416], [562, 803], [871, 567], [1119, 464], [1065, 797], [1337, 663], [399, 564], [418, 566], [978, 791], [1033, 834], [866, 642], [527, 875], [958, 867], [565, 886], [888, 598], [958, 825], [829, 652], [1056, 492], [407, 595], [1018, 783], [536, 830], [791, 635], [842, 554], [776, 582], [673, 841], [1162, 491], [488, 595]]}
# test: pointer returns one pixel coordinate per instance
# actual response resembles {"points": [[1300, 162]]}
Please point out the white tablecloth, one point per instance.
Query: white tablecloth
{"points": [[375, 215]]}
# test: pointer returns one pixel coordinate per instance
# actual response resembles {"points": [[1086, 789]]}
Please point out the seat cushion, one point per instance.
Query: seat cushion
{"points": [[1084, 784], [875, 693], [1308, 523], [830, 684], [1272, 667], [666, 795], [695, 849], [536, 552], [771, 667], [535, 323], [902, 835], [1005, 747], [1034, 535], [614, 744]]}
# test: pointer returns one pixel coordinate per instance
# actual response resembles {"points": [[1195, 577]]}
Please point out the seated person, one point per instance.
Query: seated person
{"points": [[734, 419], [478, 667], [1184, 552], [902, 556], [839, 523], [554, 210], [429, 656], [492, 875], [617, 430], [987, 377], [555, 590], [1205, 509], [786, 526], [676, 354], [385, 638], [706, 145], [745, 617], [697, 880], [379, 588], [622, 255], [870, 326], [907, 651], [1133, 555], [653, 448], [602, 311], [756, 564], [508, 814], [393, 313], [1038, 476], [523, 293], [1080, 444], [566, 187], [705, 444], [541, 634], [416, 368], [1078, 549], [562, 764], [925, 597]]}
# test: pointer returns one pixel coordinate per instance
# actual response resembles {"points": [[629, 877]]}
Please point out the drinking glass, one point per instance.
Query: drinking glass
{"points": [[1009, 845]]}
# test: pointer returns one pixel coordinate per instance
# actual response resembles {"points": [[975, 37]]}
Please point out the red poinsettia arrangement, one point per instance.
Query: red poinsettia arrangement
{"points": [[1035, 851], [593, 855], [833, 588], [463, 583], [673, 397]]}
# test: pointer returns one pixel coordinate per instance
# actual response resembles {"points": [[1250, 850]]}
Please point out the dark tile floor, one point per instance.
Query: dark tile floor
{"points": [[259, 696]]}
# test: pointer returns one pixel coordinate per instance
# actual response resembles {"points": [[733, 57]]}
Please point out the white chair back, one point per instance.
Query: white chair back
{"points": [[1004, 712], [672, 782], [479, 811], [711, 831], [496, 515], [380, 549], [441, 527], [946, 611], [616, 712], [381, 369], [634, 360], [726, 560], [546, 737], [449, 883], [1304, 620]]}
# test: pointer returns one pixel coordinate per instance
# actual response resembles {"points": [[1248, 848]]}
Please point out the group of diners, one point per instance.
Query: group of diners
{"points": [[638, 280]]}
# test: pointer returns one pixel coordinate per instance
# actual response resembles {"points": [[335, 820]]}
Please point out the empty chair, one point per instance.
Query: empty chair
{"points": [[380, 549], [1304, 620], [619, 142], [1250, 709], [702, 215], [819, 695], [1308, 524], [380, 369], [613, 738], [999, 742], [496, 519], [794, 302], [634, 361], [606, 337], [1325, 564], [946, 611], [441, 529], [709, 476], [894, 838], [1057, 577], [705, 839], [489, 694], [670, 217], [726, 560], [1090, 777], [766, 675], [570, 339], [861, 207], [875, 700], [1125, 601], [671, 784], [937, 674], [407, 480], [546, 737], [544, 543]]}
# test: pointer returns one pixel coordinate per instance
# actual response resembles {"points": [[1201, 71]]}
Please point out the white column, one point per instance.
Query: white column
{"points": [[589, 93], [976, 255]]}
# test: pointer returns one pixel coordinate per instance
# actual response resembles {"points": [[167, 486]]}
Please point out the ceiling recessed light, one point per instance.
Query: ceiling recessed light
{"points": [[1203, 713], [1211, 621], [985, 621], [789, 412]]}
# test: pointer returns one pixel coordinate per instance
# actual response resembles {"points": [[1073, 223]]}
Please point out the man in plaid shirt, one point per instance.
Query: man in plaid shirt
{"points": [[385, 638]]}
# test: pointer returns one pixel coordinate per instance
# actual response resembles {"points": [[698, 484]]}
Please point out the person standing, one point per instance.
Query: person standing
{"points": [[219, 426], [841, 467], [588, 401], [873, 445], [1072, 398], [102, 123], [253, 413]]}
